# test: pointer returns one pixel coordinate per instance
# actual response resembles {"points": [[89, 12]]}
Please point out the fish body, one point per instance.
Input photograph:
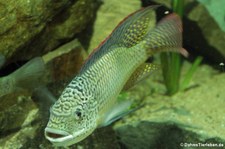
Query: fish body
{"points": [[90, 99]]}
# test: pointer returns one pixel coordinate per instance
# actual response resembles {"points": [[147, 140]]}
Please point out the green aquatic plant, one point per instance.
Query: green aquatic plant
{"points": [[178, 7], [189, 74], [171, 62]]}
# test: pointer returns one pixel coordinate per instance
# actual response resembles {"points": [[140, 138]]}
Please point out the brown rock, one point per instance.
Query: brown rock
{"points": [[32, 28]]}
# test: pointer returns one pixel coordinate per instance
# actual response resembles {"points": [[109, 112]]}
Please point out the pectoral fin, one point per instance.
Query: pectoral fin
{"points": [[118, 111], [141, 73]]}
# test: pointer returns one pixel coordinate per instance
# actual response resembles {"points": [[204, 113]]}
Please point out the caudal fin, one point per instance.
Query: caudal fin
{"points": [[166, 36], [30, 75]]}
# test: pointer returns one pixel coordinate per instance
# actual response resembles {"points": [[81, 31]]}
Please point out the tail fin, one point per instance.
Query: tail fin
{"points": [[30, 75], [166, 36]]}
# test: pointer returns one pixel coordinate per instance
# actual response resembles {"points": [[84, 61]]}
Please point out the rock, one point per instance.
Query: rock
{"points": [[203, 34], [65, 25], [63, 64], [65, 61], [23, 20], [101, 139], [31, 28], [216, 11], [17, 114], [196, 112], [14, 109], [147, 135]]}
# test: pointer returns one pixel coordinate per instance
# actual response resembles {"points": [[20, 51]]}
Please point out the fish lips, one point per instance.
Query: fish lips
{"points": [[56, 136], [61, 138]]}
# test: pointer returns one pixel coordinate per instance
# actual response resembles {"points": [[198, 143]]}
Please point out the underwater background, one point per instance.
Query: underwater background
{"points": [[182, 103]]}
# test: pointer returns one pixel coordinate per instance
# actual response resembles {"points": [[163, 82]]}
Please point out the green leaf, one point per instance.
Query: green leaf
{"points": [[189, 74]]}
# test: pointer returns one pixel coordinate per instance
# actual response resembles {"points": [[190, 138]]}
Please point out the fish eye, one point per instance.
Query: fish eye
{"points": [[78, 113]]}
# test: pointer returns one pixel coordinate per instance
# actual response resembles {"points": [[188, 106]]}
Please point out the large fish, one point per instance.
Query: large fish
{"points": [[90, 99]]}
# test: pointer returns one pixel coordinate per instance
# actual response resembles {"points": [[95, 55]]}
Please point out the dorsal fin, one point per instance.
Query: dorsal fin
{"points": [[128, 33], [133, 28]]}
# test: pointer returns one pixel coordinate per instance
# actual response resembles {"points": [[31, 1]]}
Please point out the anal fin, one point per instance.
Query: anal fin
{"points": [[139, 74]]}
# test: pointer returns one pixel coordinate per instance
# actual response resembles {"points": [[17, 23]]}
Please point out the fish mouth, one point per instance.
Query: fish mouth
{"points": [[63, 138], [57, 136]]}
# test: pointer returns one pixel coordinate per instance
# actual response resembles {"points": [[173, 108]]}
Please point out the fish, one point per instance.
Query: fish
{"points": [[89, 101], [26, 77]]}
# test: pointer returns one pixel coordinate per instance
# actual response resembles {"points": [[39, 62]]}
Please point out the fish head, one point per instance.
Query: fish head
{"points": [[70, 122]]}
